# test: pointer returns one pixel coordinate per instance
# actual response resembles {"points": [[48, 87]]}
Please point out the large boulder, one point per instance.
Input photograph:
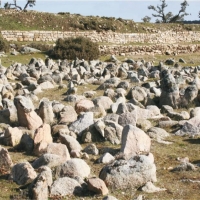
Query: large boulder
{"points": [[65, 186], [12, 136], [46, 111], [58, 149], [22, 173], [84, 121], [104, 101], [42, 138], [26, 115], [134, 141], [170, 91], [5, 160], [67, 115], [132, 173], [72, 168], [84, 105]]}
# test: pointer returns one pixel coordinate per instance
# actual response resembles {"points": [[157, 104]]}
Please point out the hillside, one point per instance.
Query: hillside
{"points": [[33, 20]]}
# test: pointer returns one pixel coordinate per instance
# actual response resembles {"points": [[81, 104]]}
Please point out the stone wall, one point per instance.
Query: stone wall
{"points": [[172, 49], [167, 37]]}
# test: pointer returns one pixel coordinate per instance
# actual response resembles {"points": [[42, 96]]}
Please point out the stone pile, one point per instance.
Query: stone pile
{"points": [[135, 94]]}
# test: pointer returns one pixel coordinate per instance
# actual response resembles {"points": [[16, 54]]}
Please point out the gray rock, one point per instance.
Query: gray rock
{"points": [[149, 187], [65, 186], [49, 160], [134, 141], [5, 160], [84, 121], [72, 168], [22, 173], [132, 173], [157, 134], [91, 149], [106, 158], [127, 118]]}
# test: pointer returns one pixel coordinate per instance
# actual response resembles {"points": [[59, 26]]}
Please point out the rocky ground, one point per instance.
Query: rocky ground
{"points": [[105, 130]]}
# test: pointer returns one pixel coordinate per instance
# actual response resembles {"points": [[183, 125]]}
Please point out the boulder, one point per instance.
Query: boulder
{"points": [[49, 160], [83, 105], [46, 111], [65, 186], [72, 168], [5, 160], [71, 143], [97, 185], [58, 149], [104, 101], [134, 141], [42, 138], [106, 158], [67, 115], [132, 173], [84, 121], [12, 136], [22, 173], [91, 149], [26, 115]]}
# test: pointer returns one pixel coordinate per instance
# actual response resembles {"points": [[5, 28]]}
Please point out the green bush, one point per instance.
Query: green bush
{"points": [[4, 45], [72, 48]]}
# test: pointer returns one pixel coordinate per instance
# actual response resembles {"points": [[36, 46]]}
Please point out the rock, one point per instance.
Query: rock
{"points": [[134, 141], [84, 121], [26, 115], [27, 143], [91, 149], [144, 124], [71, 143], [65, 186], [106, 158], [84, 105], [100, 126], [12, 136], [170, 91], [127, 118], [149, 187], [185, 166], [157, 134], [104, 101], [58, 149], [22, 173], [67, 115], [5, 160], [191, 127], [113, 132], [72, 168], [42, 138], [46, 85], [49, 160], [46, 111], [132, 173], [97, 185], [26, 50]]}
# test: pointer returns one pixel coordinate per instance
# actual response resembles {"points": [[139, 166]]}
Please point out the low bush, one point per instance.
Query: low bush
{"points": [[72, 48], [4, 45]]}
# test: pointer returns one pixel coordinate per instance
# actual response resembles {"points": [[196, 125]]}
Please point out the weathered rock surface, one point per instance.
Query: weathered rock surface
{"points": [[132, 173], [134, 141]]}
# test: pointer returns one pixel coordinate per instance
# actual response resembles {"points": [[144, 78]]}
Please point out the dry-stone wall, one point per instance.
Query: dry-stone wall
{"points": [[169, 42], [167, 37]]}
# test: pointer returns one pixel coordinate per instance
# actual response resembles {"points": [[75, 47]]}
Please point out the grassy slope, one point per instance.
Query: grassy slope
{"points": [[32, 20]]}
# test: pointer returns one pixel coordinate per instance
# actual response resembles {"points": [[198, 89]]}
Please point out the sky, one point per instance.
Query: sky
{"points": [[126, 9]]}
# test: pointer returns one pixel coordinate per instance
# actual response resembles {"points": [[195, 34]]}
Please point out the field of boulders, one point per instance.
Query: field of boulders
{"points": [[107, 130]]}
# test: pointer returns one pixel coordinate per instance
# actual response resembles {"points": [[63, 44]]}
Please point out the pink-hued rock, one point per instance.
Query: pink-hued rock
{"points": [[67, 115], [5, 159], [12, 136], [23, 173], [84, 105], [134, 141], [97, 185], [59, 149], [42, 138]]}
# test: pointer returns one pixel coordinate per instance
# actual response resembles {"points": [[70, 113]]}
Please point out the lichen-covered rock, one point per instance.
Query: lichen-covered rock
{"points": [[132, 173]]}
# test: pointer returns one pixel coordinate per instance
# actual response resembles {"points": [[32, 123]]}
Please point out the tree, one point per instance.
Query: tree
{"points": [[169, 17], [146, 19], [30, 3]]}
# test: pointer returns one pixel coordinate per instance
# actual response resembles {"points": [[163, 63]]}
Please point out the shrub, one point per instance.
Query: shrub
{"points": [[4, 45], [72, 48]]}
